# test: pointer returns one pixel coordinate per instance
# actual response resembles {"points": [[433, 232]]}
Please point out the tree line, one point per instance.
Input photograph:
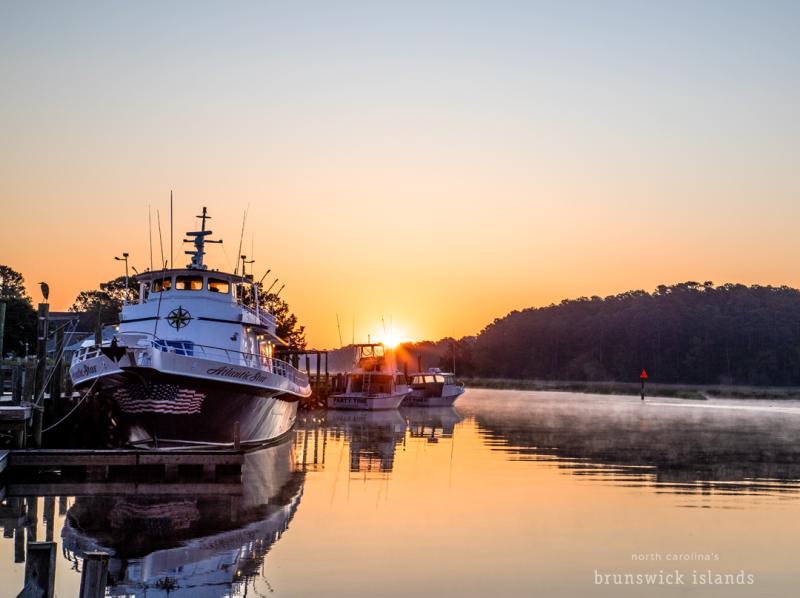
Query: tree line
{"points": [[687, 333]]}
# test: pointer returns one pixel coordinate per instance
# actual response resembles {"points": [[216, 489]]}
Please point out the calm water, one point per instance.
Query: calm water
{"points": [[508, 494]]}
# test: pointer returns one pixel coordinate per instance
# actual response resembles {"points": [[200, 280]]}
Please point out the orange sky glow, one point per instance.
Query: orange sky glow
{"points": [[436, 173]]}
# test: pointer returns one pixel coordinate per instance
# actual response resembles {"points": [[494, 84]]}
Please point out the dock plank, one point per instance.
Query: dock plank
{"points": [[55, 458], [116, 488], [14, 413]]}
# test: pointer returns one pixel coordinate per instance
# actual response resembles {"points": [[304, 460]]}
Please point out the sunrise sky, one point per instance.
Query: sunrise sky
{"points": [[436, 163]]}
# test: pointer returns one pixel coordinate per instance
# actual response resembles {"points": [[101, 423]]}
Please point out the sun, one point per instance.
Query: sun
{"points": [[391, 341]]}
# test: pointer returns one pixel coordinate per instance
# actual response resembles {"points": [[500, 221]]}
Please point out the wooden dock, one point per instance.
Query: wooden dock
{"points": [[103, 464]]}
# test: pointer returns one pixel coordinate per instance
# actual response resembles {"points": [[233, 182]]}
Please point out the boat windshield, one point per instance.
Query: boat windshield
{"points": [[189, 283], [372, 383], [161, 284], [218, 285]]}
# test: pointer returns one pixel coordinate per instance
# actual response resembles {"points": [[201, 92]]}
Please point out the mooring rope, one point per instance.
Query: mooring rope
{"points": [[83, 398]]}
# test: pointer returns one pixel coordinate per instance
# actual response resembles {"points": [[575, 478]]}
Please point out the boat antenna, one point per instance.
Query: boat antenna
{"points": [[454, 357], [270, 286], [160, 239], [384, 325], [279, 291], [160, 295], [171, 234], [245, 261], [150, 231], [339, 326], [199, 239], [241, 237], [265, 275], [353, 341]]}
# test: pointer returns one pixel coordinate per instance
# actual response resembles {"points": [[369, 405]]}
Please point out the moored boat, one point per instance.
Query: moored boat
{"points": [[433, 388], [374, 383], [193, 359]]}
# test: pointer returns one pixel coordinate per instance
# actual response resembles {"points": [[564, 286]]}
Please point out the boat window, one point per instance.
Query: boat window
{"points": [[218, 285], [178, 347], [401, 379], [189, 283], [417, 380], [428, 379], [449, 380], [378, 383], [164, 284], [439, 378], [356, 383]]}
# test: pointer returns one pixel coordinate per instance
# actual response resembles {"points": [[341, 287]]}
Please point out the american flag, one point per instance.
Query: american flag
{"points": [[159, 398]]}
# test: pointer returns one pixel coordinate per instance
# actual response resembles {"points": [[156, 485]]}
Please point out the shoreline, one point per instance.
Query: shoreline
{"points": [[678, 391]]}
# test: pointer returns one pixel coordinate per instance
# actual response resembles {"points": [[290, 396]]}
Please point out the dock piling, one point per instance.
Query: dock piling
{"points": [[49, 517], [95, 575], [41, 371], [40, 570]]}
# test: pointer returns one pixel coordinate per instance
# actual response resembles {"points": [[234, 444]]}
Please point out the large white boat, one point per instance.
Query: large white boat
{"points": [[193, 359], [433, 388], [374, 383]]}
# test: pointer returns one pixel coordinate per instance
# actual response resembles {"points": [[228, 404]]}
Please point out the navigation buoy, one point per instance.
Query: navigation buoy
{"points": [[643, 377]]}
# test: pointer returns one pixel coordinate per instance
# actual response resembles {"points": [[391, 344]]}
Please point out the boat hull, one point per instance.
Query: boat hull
{"points": [[361, 401], [418, 398], [154, 407]]}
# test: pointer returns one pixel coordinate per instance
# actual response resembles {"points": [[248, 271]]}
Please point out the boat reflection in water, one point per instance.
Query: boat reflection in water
{"points": [[203, 542], [431, 423], [373, 437]]}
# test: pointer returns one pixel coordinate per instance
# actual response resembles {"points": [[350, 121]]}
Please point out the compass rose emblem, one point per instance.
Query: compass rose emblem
{"points": [[179, 318]]}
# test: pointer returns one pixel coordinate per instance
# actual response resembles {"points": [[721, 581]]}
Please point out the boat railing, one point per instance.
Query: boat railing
{"points": [[264, 317], [218, 354]]}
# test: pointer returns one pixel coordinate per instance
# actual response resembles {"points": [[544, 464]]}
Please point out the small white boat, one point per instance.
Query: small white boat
{"points": [[374, 383], [433, 388]]}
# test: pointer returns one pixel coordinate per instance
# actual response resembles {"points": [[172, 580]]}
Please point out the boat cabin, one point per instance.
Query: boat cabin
{"points": [[432, 382], [195, 310]]}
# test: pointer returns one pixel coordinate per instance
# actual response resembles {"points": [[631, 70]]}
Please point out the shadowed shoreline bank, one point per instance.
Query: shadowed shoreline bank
{"points": [[678, 391]]}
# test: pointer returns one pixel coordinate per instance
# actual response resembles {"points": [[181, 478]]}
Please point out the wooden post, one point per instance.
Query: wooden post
{"points": [[41, 370], [58, 371], [49, 517], [2, 326], [2, 333], [419, 363], [317, 380], [17, 377], [41, 350], [32, 518], [95, 575], [19, 544], [40, 570], [28, 383], [237, 445], [62, 505]]}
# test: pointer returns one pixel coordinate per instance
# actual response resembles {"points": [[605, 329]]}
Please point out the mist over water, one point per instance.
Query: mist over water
{"points": [[509, 493]]}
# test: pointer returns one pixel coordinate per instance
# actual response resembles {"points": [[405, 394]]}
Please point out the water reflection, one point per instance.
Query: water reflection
{"points": [[172, 537], [506, 494], [677, 446], [431, 423]]}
